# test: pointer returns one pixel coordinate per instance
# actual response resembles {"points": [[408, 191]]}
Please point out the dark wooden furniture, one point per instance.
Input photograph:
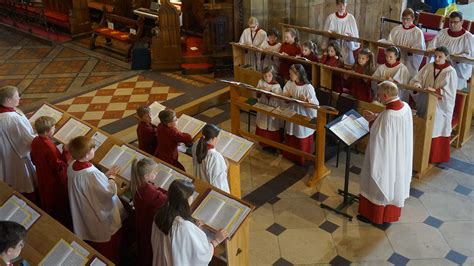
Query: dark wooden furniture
{"points": [[121, 29]]}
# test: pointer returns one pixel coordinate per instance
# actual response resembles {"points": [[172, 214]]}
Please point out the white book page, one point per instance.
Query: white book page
{"points": [[80, 248], [137, 154], [98, 139], [182, 122], [7, 210], [223, 140], [70, 130], [58, 254], [155, 109], [110, 159], [46, 110], [236, 148], [97, 262], [190, 125], [265, 107], [225, 217], [162, 176], [208, 209], [74, 258], [33, 216]]}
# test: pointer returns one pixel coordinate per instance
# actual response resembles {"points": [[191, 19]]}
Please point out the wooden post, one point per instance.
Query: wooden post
{"points": [[238, 247], [422, 135], [468, 111], [319, 164], [234, 167]]}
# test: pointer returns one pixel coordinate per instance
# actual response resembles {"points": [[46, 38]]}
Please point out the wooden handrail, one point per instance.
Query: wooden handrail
{"points": [[335, 69], [334, 35]]}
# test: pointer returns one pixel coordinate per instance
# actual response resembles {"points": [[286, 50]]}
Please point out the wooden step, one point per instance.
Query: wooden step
{"points": [[196, 59]]}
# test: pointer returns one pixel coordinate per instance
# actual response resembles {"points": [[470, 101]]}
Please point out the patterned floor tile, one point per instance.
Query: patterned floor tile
{"points": [[16, 68], [456, 257], [49, 85], [433, 221], [32, 53], [59, 67], [398, 259]]}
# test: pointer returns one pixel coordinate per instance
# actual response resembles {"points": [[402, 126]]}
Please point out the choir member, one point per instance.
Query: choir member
{"points": [[411, 36], [333, 57], [358, 87], [459, 42], [97, 212], [146, 131], [12, 241], [146, 199], [309, 51], [289, 47], [343, 23], [268, 126], [297, 136], [169, 137], [273, 45], [441, 77], [16, 135], [387, 168], [393, 70], [208, 163], [253, 36], [51, 168], [176, 237]]}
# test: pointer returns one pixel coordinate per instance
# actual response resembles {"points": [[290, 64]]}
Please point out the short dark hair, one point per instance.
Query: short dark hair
{"points": [[166, 116], [273, 31], [12, 233], [456, 14], [442, 49]]}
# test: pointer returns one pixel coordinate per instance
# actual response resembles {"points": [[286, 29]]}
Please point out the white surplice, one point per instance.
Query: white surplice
{"points": [[411, 38], [299, 92], [398, 73], [446, 82], [346, 25], [269, 59], [96, 210], [16, 168], [256, 38], [213, 169], [386, 173], [264, 121], [185, 245], [462, 45]]}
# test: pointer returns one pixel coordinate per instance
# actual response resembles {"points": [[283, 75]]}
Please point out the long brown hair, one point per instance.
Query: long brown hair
{"points": [[209, 132], [178, 193], [139, 170], [369, 66]]}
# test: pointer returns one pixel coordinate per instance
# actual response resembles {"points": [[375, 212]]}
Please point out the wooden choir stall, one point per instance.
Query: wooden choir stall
{"points": [[321, 78], [233, 251]]}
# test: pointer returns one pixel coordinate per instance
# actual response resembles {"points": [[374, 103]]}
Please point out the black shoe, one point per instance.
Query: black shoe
{"points": [[363, 219]]}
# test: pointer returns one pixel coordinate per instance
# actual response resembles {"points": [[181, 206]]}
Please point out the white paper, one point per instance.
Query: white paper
{"points": [[155, 109], [110, 25], [120, 157], [80, 249], [99, 139], [165, 176], [231, 146], [97, 262], [46, 110], [63, 254], [189, 125], [16, 210], [71, 129], [350, 128]]}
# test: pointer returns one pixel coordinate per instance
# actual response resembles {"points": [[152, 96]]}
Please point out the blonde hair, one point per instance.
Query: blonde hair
{"points": [[388, 88], [44, 124], [139, 170], [252, 21], [7, 92], [143, 110], [80, 146]]}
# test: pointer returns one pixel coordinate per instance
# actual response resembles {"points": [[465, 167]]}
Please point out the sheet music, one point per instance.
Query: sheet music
{"points": [[70, 130], [265, 107], [286, 112], [165, 176], [63, 254], [155, 109], [120, 157], [137, 154], [350, 128], [17, 210], [99, 139], [46, 110], [190, 125], [231, 146], [219, 211]]}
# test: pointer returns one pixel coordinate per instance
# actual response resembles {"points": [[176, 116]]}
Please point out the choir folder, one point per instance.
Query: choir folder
{"points": [[349, 127]]}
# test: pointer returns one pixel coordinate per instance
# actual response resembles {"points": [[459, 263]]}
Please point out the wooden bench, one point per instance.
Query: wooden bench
{"points": [[121, 29]]}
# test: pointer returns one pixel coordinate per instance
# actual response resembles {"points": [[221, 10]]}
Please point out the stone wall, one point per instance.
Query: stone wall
{"points": [[312, 13]]}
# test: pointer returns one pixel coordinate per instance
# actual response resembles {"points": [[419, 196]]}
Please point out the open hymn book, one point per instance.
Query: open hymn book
{"points": [[64, 253], [155, 109], [231, 146], [71, 129], [17, 210], [349, 127], [166, 175], [219, 211], [122, 158], [189, 125], [46, 110]]}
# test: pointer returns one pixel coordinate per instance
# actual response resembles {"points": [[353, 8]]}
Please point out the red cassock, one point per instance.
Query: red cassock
{"points": [[337, 80], [302, 144], [379, 214], [168, 139], [146, 201], [51, 169], [313, 58], [146, 133], [291, 50], [358, 87]]}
